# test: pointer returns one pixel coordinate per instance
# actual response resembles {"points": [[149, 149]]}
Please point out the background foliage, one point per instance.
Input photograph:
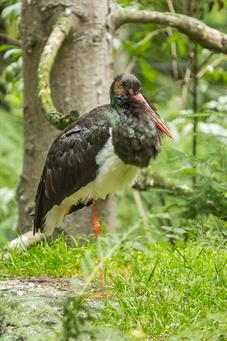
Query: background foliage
{"points": [[162, 59], [188, 86], [195, 109], [11, 102]]}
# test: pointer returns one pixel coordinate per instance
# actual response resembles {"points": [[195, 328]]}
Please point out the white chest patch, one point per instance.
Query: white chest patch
{"points": [[113, 175]]}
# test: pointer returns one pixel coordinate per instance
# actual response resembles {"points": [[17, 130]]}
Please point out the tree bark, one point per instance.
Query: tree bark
{"points": [[80, 80]]}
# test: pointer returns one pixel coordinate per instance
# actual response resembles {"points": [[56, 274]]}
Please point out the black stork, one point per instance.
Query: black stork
{"points": [[97, 155]]}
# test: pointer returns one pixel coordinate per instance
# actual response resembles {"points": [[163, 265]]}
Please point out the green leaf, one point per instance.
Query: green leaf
{"points": [[191, 170], [15, 53], [12, 9]]}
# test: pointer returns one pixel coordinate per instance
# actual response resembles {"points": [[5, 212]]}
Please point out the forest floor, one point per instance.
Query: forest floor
{"points": [[152, 291], [30, 307]]}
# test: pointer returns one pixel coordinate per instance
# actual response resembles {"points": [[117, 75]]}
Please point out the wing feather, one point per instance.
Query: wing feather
{"points": [[71, 162]]}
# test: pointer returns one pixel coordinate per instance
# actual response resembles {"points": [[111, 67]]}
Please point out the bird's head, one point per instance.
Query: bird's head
{"points": [[125, 93]]}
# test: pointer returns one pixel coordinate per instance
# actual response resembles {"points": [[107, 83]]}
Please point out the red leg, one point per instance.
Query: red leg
{"points": [[97, 229], [95, 221]]}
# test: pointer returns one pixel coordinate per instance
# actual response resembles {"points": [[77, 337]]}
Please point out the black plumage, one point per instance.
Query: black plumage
{"points": [[70, 163], [134, 130]]}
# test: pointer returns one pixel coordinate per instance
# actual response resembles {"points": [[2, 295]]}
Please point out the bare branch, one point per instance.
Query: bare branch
{"points": [[195, 29], [205, 61], [10, 40], [149, 36], [210, 67], [140, 208], [173, 45], [186, 83], [149, 179], [59, 33]]}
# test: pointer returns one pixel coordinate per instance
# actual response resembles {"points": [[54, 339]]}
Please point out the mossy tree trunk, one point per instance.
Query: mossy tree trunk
{"points": [[80, 81]]}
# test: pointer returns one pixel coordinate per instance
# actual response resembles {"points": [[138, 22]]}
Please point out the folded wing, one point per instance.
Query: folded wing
{"points": [[70, 163]]}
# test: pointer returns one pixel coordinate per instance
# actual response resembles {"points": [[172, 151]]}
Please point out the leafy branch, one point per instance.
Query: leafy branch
{"points": [[195, 29]]}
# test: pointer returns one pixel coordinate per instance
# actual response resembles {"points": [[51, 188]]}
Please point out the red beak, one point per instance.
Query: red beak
{"points": [[154, 116]]}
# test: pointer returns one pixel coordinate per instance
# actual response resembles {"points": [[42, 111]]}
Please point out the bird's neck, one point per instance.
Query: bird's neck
{"points": [[135, 141]]}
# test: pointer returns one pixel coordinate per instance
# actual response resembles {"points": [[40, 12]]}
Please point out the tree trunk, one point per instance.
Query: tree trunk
{"points": [[80, 80]]}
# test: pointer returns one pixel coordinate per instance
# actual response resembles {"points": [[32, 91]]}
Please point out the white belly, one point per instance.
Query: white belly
{"points": [[113, 175]]}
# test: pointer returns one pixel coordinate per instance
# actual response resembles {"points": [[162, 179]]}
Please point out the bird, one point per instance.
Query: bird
{"points": [[98, 155]]}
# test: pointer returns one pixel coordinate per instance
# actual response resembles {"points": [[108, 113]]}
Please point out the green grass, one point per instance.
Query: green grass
{"points": [[166, 288], [154, 290]]}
